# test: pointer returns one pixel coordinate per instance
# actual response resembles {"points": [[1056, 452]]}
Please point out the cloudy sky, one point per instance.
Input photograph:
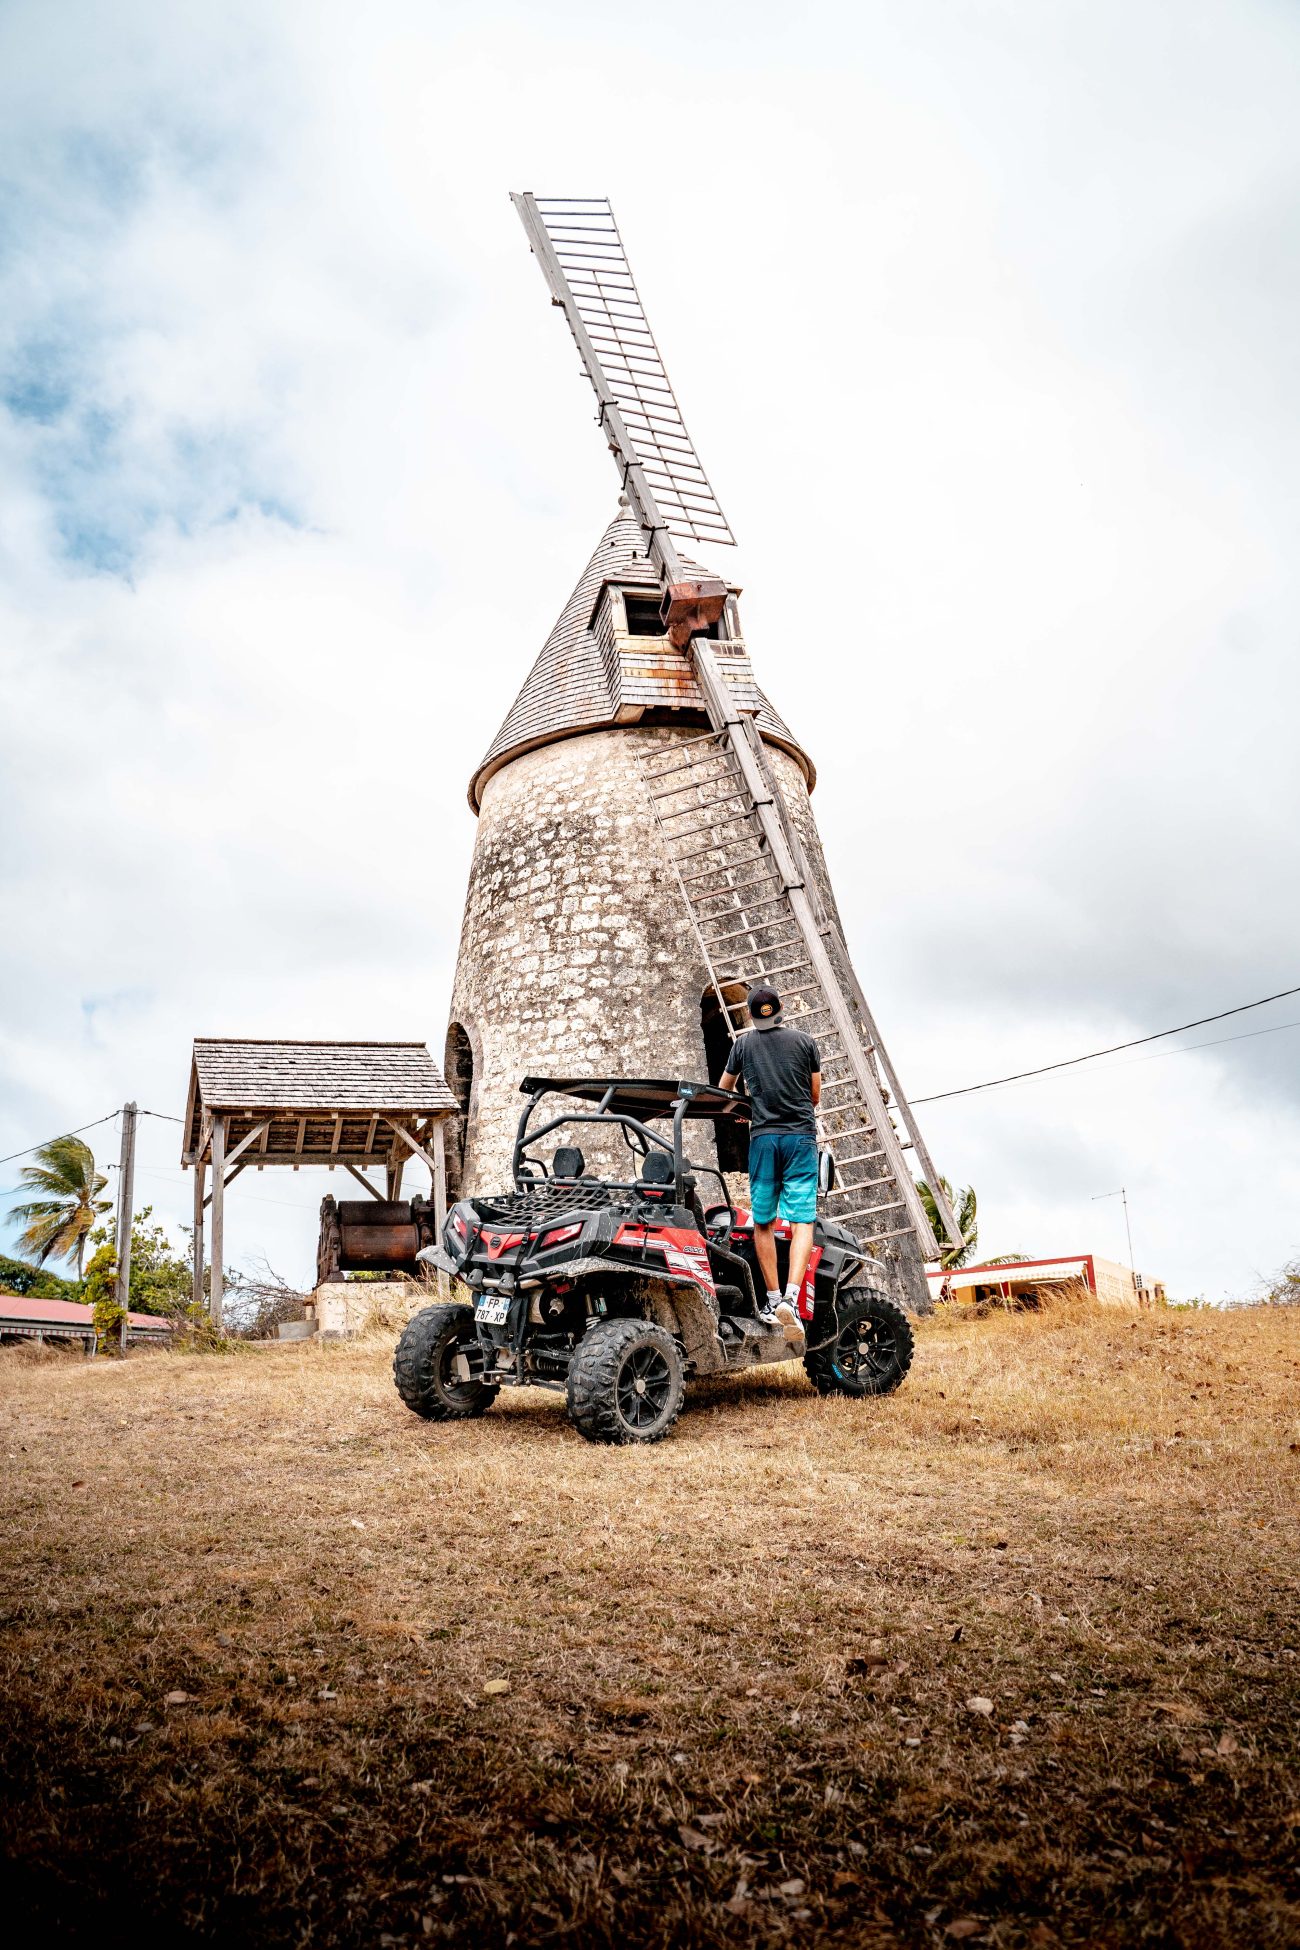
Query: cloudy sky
{"points": [[985, 315]]}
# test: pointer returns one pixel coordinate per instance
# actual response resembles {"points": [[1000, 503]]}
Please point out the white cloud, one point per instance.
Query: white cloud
{"points": [[983, 318]]}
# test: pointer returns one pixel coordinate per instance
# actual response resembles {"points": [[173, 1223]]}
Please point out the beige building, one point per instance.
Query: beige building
{"points": [[1114, 1285]]}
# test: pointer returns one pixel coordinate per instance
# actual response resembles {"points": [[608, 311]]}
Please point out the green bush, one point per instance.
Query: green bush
{"points": [[161, 1280], [100, 1280]]}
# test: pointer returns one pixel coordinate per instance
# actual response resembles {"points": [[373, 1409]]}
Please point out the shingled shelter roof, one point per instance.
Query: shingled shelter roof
{"points": [[325, 1102], [344, 1105], [574, 685]]}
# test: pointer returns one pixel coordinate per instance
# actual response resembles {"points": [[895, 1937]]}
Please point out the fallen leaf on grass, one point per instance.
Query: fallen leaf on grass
{"points": [[711, 1821], [978, 1704], [1183, 1710], [178, 1698], [956, 1637], [691, 1837], [497, 1686], [795, 1886], [1227, 1743], [80, 1484], [356, 1523], [964, 1926], [866, 1662]]}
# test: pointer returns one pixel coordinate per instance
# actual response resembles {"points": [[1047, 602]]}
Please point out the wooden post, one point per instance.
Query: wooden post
{"points": [[198, 1235], [440, 1196], [439, 1175], [218, 1216], [125, 1214]]}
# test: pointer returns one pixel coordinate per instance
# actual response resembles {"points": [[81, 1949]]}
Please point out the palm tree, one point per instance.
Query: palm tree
{"points": [[964, 1212], [58, 1222]]}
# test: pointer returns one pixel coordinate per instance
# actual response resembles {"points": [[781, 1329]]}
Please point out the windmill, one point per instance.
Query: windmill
{"points": [[689, 834]]}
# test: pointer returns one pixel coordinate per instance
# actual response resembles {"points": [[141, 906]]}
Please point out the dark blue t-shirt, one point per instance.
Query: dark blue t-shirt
{"points": [[775, 1069]]}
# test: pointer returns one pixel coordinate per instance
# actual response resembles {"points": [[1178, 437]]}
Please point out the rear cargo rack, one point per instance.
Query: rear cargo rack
{"points": [[545, 1200]]}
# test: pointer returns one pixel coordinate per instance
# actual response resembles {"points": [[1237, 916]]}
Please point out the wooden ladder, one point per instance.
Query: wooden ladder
{"points": [[757, 916]]}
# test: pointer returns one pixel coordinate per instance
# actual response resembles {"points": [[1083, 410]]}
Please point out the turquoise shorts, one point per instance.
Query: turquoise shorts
{"points": [[783, 1177]]}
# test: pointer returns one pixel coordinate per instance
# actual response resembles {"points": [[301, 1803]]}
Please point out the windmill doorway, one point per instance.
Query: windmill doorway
{"points": [[733, 1141], [458, 1069]]}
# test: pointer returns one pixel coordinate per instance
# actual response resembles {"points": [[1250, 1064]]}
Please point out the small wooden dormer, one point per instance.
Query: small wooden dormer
{"points": [[645, 672], [636, 611]]}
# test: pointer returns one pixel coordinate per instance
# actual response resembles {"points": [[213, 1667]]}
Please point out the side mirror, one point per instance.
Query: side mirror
{"points": [[825, 1171]]}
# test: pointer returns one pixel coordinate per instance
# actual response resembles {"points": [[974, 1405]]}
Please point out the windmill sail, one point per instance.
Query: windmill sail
{"points": [[577, 244]]}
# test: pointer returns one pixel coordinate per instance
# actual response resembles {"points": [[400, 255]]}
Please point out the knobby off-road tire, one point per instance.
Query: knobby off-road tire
{"points": [[871, 1349], [626, 1382], [422, 1367]]}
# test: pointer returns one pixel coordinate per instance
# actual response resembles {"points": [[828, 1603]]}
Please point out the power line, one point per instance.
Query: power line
{"points": [[1112, 1049], [938, 1096], [42, 1142], [1189, 1049]]}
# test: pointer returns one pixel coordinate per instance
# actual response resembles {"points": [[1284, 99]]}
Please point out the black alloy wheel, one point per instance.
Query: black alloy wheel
{"points": [[626, 1382], [645, 1387], [427, 1365], [860, 1344]]}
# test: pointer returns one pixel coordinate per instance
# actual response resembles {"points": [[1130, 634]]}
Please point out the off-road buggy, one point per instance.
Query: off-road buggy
{"points": [[618, 1290]]}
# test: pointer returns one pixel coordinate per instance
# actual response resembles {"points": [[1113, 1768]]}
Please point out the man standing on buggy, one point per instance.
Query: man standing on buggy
{"points": [[779, 1070]]}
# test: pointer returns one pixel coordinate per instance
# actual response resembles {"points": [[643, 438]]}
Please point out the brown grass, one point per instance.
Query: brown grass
{"points": [[739, 1665]]}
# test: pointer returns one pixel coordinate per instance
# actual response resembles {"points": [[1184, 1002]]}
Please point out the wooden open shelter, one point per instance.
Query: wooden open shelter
{"points": [[346, 1105]]}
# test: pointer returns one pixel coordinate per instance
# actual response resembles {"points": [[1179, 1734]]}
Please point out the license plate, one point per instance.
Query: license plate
{"points": [[493, 1310]]}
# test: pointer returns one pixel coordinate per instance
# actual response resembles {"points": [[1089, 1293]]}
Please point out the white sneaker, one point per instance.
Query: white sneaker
{"points": [[786, 1317]]}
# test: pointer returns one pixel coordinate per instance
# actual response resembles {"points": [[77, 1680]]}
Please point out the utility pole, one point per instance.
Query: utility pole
{"points": [[1128, 1230], [125, 1214]]}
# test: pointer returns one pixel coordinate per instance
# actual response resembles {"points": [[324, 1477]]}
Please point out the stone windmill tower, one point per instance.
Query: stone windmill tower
{"points": [[646, 846]]}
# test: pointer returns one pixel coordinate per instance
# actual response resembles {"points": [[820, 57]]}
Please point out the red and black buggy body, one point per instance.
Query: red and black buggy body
{"points": [[617, 1290]]}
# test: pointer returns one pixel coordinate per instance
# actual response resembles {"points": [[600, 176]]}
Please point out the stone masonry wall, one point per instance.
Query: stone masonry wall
{"points": [[577, 955]]}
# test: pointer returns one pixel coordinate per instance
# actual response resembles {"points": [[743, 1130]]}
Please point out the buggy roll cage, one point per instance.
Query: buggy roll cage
{"points": [[616, 1100]]}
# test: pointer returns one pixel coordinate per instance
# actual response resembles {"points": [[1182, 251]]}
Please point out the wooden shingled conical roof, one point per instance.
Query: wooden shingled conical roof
{"points": [[584, 680]]}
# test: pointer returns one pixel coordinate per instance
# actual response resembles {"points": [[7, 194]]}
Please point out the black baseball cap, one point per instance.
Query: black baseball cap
{"points": [[764, 1005]]}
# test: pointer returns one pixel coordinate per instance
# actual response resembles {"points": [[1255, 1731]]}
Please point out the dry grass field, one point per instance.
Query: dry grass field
{"points": [[1011, 1659]]}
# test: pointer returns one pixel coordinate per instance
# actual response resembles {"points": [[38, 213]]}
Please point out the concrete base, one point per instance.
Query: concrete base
{"points": [[346, 1307], [295, 1330]]}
